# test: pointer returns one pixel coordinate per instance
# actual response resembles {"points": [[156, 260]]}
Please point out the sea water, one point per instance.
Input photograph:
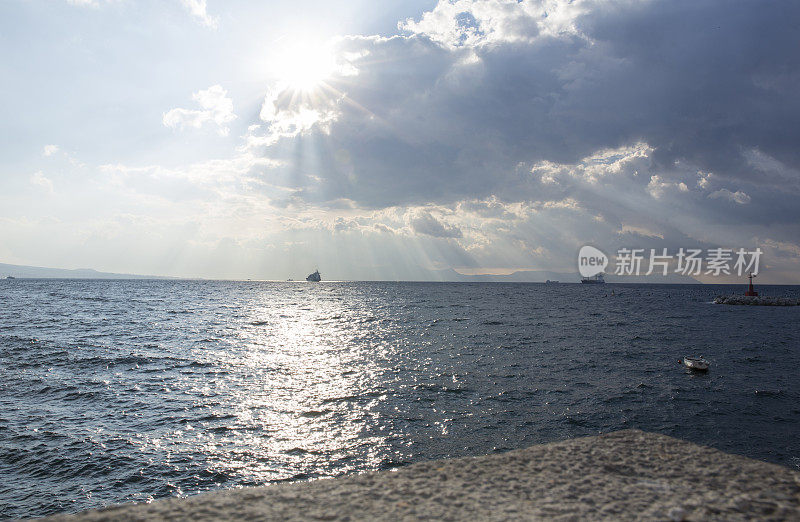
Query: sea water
{"points": [[117, 391]]}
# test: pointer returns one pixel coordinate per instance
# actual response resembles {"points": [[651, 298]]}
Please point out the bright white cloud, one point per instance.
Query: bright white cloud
{"points": [[215, 109], [49, 150], [474, 23], [288, 114], [199, 10], [603, 165], [657, 186]]}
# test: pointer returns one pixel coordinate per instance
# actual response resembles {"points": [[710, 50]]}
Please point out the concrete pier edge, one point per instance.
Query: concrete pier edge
{"points": [[623, 475]]}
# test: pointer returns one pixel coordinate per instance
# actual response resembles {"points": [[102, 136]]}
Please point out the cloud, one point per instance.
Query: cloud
{"points": [[49, 150], [505, 134], [288, 114], [215, 109], [656, 187], [601, 119], [38, 179], [422, 222], [198, 9], [473, 23], [737, 197], [474, 89], [783, 246]]}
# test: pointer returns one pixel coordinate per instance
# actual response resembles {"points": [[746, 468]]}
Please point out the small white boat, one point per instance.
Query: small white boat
{"points": [[695, 363]]}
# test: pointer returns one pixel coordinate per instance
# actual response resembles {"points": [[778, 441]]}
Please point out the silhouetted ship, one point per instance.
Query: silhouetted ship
{"points": [[10, 277], [315, 277], [596, 280]]}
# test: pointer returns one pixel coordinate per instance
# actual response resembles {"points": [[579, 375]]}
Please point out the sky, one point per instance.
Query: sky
{"points": [[377, 139]]}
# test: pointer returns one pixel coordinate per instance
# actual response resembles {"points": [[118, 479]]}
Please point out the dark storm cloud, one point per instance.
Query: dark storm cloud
{"points": [[704, 81], [707, 86]]}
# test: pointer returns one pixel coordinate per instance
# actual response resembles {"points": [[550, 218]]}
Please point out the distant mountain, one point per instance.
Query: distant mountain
{"points": [[671, 279], [522, 276], [36, 272], [540, 276]]}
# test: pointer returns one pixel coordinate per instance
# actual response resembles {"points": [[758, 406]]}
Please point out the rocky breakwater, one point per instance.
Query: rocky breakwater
{"points": [[756, 300]]}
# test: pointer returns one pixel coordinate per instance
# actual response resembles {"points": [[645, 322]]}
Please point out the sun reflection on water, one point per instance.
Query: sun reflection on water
{"points": [[290, 394]]}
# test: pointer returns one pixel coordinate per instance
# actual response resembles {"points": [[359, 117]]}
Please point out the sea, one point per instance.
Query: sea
{"points": [[130, 391]]}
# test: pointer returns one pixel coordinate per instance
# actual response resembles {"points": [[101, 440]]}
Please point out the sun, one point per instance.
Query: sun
{"points": [[304, 66]]}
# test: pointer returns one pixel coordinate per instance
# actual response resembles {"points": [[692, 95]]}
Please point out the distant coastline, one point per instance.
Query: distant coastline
{"points": [[444, 276], [37, 272], [429, 276]]}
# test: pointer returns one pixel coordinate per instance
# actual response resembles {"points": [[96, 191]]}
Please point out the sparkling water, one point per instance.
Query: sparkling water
{"points": [[116, 391]]}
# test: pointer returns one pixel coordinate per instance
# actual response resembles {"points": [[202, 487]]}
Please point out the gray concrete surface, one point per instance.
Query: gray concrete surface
{"points": [[625, 475]]}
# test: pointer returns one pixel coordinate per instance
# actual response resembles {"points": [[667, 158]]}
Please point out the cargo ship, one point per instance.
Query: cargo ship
{"points": [[596, 280]]}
